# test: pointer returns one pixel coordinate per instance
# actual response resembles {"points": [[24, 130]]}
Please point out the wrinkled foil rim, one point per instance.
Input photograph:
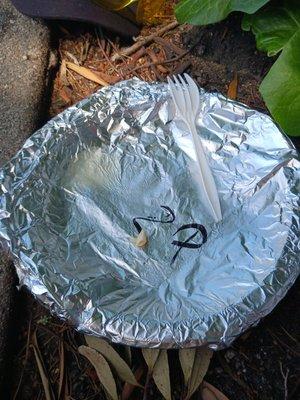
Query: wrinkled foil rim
{"points": [[163, 334]]}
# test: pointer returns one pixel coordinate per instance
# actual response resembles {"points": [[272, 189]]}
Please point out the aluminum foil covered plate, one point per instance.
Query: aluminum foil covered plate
{"points": [[81, 187]]}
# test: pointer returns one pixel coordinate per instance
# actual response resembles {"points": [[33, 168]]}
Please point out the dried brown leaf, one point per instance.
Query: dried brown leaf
{"points": [[232, 88], [102, 368], [128, 388], [113, 358], [186, 358], [219, 395], [141, 239], [200, 367], [150, 356], [161, 375], [206, 394], [86, 73]]}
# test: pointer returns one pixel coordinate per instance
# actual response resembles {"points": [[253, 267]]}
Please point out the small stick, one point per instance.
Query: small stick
{"points": [[285, 380], [161, 62], [25, 361], [132, 49], [182, 67], [167, 44]]}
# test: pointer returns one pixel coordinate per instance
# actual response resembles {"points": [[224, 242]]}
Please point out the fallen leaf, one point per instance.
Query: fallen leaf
{"points": [[102, 368], [150, 356], [186, 358], [161, 375], [86, 73], [41, 368], [219, 395], [200, 367], [128, 388], [206, 394], [113, 358], [141, 240], [232, 88]]}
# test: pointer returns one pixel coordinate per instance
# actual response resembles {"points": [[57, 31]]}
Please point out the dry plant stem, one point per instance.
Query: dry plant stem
{"points": [[25, 360], [40, 364], [61, 369], [107, 58], [285, 380], [171, 60], [132, 49]]}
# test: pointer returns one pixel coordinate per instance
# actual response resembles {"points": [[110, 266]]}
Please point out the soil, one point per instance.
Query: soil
{"points": [[263, 363]]}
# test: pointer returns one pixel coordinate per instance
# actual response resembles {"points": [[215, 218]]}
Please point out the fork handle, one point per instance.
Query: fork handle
{"points": [[205, 176]]}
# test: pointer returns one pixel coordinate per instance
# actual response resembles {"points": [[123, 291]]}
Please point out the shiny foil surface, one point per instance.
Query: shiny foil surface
{"points": [[70, 197]]}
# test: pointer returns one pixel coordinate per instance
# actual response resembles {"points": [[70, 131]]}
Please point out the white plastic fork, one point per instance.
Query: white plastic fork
{"points": [[185, 95]]}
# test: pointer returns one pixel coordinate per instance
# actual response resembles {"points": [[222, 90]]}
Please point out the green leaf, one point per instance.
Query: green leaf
{"points": [[102, 369], [273, 27], [150, 356], [113, 358], [200, 367], [186, 358], [161, 375], [281, 87], [203, 12]]}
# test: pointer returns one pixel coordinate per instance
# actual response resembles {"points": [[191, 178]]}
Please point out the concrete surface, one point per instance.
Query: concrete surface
{"points": [[24, 48]]}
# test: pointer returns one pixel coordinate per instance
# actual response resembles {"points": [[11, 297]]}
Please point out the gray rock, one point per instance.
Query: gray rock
{"points": [[24, 48]]}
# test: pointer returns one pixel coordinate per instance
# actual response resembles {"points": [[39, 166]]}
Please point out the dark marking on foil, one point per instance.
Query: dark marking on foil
{"points": [[168, 219], [186, 244]]}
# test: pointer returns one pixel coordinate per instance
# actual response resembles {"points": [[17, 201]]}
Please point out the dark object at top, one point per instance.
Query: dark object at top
{"points": [[77, 10]]}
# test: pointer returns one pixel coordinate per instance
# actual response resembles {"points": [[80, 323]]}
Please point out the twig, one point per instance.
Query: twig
{"points": [[285, 379], [61, 368], [182, 67], [106, 56], [171, 60], [169, 45], [41, 368], [289, 335], [25, 360], [132, 49]]}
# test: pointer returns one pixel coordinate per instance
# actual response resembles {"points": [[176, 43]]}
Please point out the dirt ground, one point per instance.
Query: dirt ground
{"points": [[263, 364]]}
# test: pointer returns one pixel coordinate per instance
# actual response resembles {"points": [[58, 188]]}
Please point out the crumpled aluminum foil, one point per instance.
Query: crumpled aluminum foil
{"points": [[70, 197]]}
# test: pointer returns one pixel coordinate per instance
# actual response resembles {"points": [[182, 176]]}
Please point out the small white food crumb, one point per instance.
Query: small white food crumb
{"points": [[141, 239]]}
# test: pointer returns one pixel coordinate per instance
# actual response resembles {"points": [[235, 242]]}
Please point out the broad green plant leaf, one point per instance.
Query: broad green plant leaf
{"points": [[200, 367], [276, 29], [102, 369], [203, 12], [150, 356], [273, 26], [186, 358], [281, 88], [161, 375], [113, 358]]}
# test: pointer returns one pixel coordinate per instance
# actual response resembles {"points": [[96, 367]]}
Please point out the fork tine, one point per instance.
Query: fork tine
{"points": [[194, 91], [177, 96], [186, 94]]}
